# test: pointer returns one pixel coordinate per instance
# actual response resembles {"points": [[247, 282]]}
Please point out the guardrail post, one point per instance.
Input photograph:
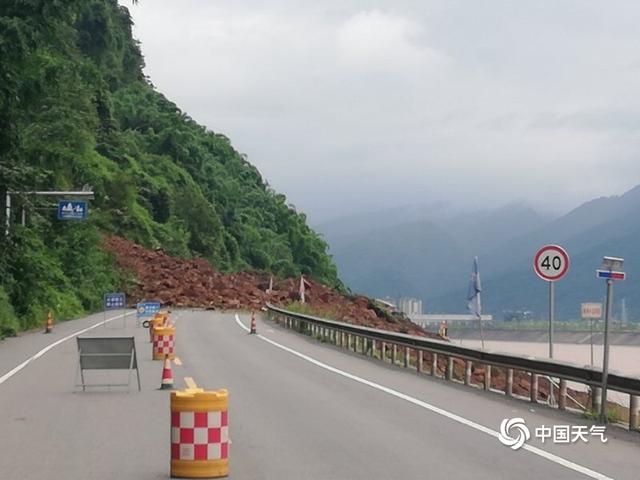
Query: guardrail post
{"points": [[374, 347], [633, 412], [407, 352], [596, 393], [394, 354], [434, 364], [487, 377], [383, 351], [533, 389], [467, 372], [508, 389], [449, 371], [419, 361], [562, 394]]}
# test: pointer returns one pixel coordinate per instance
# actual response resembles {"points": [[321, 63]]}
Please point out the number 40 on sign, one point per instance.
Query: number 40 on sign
{"points": [[551, 263]]}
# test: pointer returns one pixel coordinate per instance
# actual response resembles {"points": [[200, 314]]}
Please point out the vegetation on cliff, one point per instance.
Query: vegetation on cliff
{"points": [[76, 110]]}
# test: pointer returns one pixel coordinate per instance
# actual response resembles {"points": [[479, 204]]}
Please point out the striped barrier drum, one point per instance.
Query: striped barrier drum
{"points": [[158, 320], [164, 342], [199, 433]]}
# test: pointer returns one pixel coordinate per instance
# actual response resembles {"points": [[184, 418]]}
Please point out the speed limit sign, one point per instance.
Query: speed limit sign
{"points": [[551, 263]]}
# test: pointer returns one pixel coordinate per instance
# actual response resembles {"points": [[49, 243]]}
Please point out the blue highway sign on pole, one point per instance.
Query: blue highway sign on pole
{"points": [[115, 301], [147, 309], [72, 210]]}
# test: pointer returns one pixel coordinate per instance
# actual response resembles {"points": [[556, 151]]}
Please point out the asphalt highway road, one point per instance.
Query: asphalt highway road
{"points": [[298, 409]]}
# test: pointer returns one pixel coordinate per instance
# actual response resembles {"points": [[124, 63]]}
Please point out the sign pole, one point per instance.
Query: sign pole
{"points": [[591, 339], [605, 358], [552, 300], [481, 332], [611, 270]]}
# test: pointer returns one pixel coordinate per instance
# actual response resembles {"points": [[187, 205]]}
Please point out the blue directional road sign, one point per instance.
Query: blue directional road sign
{"points": [[115, 301], [72, 210], [147, 309]]}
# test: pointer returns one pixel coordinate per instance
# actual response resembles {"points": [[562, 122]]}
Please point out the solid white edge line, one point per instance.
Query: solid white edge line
{"points": [[452, 416], [15, 370]]}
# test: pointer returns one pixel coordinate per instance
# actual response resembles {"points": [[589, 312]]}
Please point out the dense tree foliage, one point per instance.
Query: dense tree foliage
{"points": [[76, 109]]}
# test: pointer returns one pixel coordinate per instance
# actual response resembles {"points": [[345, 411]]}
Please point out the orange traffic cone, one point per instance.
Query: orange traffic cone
{"points": [[49, 325], [167, 375], [253, 322]]}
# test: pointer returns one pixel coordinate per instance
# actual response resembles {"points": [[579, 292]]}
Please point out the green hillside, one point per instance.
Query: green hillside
{"points": [[75, 110]]}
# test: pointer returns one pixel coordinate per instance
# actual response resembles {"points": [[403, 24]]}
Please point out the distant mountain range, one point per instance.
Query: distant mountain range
{"points": [[427, 251]]}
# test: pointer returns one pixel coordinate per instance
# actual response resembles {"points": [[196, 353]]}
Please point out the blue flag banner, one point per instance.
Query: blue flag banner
{"points": [[473, 293]]}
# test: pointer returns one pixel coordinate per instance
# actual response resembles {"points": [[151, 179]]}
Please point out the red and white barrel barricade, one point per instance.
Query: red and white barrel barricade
{"points": [[158, 320], [199, 433], [164, 341]]}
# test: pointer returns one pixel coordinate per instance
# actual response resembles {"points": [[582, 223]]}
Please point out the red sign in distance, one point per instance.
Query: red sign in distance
{"points": [[551, 263]]}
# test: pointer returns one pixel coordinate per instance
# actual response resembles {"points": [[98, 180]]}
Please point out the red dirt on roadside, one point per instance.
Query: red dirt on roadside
{"points": [[195, 283]]}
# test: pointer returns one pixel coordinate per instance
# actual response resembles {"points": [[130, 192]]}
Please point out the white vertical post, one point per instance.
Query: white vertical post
{"points": [[605, 359], [551, 316], [7, 214]]}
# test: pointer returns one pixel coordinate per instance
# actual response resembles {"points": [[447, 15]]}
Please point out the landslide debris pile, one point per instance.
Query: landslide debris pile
{"points": [[195, 283]]}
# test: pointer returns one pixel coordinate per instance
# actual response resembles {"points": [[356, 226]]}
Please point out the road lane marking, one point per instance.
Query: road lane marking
{"points": [[445, 413], [15, 370], [177, 361]]}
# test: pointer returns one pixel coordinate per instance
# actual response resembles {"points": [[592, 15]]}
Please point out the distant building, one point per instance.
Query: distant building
{"points": [[410, 306]]}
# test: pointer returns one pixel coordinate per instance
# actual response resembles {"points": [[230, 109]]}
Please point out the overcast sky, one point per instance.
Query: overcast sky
{"points": [[347, 106]]}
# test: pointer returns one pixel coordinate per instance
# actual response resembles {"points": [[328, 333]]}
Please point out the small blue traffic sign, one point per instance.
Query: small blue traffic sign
{"points": [[115, 301], [608, 274], [72, 210], [147, 309]]}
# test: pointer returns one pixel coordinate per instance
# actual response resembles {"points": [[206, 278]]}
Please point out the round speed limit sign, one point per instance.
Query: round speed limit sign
{"points": [[551, 263]]}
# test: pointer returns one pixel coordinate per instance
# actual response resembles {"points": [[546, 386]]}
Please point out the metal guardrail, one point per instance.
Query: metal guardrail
{"points": [[369, 338]]}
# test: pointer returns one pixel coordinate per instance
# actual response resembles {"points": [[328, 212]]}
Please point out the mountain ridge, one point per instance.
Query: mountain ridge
{"points": [[601, 226]]}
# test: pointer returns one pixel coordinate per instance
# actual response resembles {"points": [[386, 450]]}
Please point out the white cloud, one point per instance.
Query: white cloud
{"points": [[384, 41], [350, 105]]}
